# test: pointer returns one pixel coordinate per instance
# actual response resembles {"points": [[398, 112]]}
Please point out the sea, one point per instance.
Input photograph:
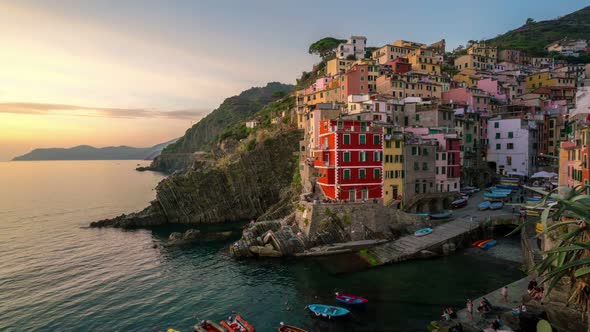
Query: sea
{"points": [[56, 274]]}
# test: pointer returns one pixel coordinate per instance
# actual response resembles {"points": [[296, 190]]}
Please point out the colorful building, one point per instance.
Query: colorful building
{"points": [[353, 48], [481, 49], [393, 165], [471, 61], [349, 160], [549, 79]]}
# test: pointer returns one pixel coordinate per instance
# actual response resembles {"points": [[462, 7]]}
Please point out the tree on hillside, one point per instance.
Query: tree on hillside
{"points": [[529, 21], [325, 46]]}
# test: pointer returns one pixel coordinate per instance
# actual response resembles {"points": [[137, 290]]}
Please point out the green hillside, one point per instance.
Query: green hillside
{"points": [[534, 36], [206, 133]]}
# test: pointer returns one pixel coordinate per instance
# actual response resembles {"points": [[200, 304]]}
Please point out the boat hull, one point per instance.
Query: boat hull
{"points": [[350, 299], [321, 310], [423, 232], [484, 206]]}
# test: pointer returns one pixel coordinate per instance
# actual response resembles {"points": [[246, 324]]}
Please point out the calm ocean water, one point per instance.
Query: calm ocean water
{"points": [[57, 275]]}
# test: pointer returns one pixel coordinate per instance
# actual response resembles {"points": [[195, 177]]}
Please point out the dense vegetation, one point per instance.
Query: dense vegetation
{"points": [[232, 111], [566, 231], [533, 36], [325, 46], [264, 117]]}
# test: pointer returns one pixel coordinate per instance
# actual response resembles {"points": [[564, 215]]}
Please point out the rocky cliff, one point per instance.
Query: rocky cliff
{"points": [[239, 186], [205, 134]]}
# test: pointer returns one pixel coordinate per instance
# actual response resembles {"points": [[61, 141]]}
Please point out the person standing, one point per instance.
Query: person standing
{"points": [[504, 292], [470, 308]]}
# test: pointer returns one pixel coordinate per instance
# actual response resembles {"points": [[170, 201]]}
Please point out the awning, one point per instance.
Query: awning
{"points": [[543, 174]]}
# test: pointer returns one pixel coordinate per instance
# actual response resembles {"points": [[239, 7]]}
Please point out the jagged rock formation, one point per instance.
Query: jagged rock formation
{"points": [[194, 235], [205, 134], [240, 186]]}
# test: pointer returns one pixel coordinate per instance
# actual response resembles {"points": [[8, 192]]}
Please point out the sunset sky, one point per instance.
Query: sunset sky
{"points": [[141, 72]]}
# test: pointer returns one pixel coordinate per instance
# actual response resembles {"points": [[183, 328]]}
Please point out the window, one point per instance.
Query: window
{"points": [[417, 117], [362, 139], [497, 135], [376, 156], [340, 124], [397, 144], [444, 156], [510, 146], [346, 138], [346, 156], [424, 166], [508, 160], [436, 156], [498, 146], [443, 170], [416, 166], [362, 156], [414, 151], [387, 144], [424, 152], [436, 170], [510, 134], [376, 173], [362, 173], [376, 139], [496, 124]]}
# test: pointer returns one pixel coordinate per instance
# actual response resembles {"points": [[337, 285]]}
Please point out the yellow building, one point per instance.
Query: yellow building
{"points": [[548, 78], [483, 50], [471, 61], [468, 76], [402, 86], [337, 66], [393, 165], [391, 52], [424, 61]]}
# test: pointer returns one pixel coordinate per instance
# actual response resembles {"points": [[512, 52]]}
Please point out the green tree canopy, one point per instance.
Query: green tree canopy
{"points": [[325, 46]]}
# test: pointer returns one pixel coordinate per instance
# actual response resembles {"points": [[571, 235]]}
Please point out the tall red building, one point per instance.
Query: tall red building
{"points": [[350, 160]]}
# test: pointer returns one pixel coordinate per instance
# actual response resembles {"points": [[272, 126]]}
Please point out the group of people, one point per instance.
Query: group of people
{"points": [[535, 291]]}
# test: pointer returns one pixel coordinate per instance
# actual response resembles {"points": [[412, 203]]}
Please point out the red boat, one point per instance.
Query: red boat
{"points": [[209, 326], [238, 324], [350, 299]]}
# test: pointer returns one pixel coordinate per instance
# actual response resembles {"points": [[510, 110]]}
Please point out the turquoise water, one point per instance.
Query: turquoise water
{"points": [[55, 274]]}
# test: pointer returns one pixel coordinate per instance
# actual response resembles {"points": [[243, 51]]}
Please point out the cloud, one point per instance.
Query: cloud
{"points": [[74, 110]]}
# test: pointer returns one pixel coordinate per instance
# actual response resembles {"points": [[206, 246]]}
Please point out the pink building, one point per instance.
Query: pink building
{"points": [[493, 88], [475, 99]]}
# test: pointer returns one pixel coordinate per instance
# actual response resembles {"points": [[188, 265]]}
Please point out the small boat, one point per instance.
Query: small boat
{"points": [[353, 299], [494, 196], [423, 231], [209, 326], [496, 205], [322, 310], [442, 215], [238, 324], [499, 190], [484, 244], [459, 203], [420, 214], [289, 328], [484, 205]]}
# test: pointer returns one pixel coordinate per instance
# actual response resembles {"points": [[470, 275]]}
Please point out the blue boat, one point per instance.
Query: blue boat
{"points": [[420, 214], [442, 215], [494, 196], [423, 231], [484, 205], [496, 205], [488, 244], [322, 310]]}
